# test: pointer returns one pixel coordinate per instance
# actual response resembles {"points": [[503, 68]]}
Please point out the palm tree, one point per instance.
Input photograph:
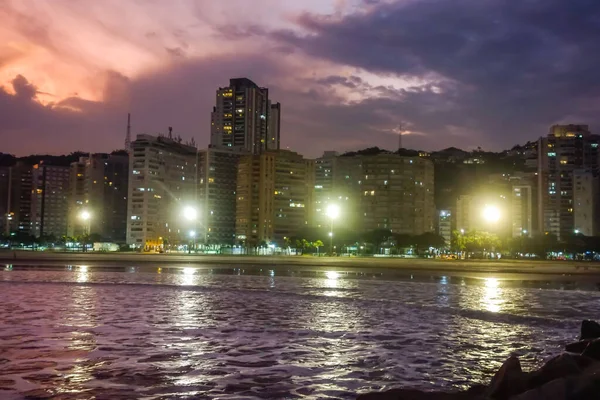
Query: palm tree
{"points": [[317, 244]]}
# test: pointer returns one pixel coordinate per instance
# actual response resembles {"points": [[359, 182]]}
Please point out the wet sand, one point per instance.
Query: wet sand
{"points": [[571, 268]]}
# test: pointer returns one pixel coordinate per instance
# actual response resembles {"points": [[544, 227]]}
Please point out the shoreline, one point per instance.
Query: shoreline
{"points": [[526, 267]]}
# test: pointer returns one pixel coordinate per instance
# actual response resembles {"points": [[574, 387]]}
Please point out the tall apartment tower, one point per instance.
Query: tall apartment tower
{"points": [[324, 183], [19, 207], [585, 202], [385, 191], [244, 119], [50, 185], [162, 183], [98, 185], [217, 179], [274, 194], [4, 199], [522, 210], [567, 151]]}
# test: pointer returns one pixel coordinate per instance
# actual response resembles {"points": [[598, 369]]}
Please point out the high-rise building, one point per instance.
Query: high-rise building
{"points": [[4, 199], [395, 192], [274, 127], [471, 213], [465, 220], [99, 185], [217, 177], [50, 186], [566, 149], [522, 210], [162, 183], [444, 226], [240, 119], [585, 202], [324, 185], [20, 188], [274, 194]]}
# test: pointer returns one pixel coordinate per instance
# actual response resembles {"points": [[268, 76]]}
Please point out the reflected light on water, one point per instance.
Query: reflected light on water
{"points": [[188, 276], [82, 275], [331, 281], [332, 275], [492, 296]]}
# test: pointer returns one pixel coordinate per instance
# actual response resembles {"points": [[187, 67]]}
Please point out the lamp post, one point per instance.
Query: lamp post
{"points": [[193, 239], [491, 214], [190, 214], [85, 216], [333, 211]]}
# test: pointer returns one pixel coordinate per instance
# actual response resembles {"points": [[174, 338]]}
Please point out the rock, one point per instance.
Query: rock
{"points": [[558, 367], [508, 381], [473, 393], [577, 347], [592, 350], [575, 387], [590, 330]]}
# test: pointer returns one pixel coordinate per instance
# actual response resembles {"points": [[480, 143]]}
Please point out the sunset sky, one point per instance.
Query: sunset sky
{"points": [[462, 73]]}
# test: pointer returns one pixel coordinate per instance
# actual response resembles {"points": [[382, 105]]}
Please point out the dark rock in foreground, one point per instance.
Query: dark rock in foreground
{"points": [[590, 330], [567, 376]]}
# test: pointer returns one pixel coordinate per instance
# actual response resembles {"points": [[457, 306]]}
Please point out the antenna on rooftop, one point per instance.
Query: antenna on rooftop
{"points": [[400, 129], [128, 134]]}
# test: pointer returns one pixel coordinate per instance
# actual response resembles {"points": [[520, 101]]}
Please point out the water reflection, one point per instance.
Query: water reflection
{"points": [[492, 296], [188, 276], [82, 274]]}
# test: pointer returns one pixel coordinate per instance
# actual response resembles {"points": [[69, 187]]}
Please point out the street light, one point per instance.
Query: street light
{"points": [[491, 213], [192, 237], [190, 213], [333, 211], [85, 216]]}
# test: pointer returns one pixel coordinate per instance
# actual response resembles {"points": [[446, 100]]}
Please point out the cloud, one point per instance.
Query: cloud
{"points": [[23, 89], [514, 67], [454, 72]]}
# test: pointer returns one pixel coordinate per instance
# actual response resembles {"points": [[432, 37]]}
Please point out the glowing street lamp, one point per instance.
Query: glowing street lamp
{"points": [[491, 214], [333, 211], [190, 213], [85, 215]]}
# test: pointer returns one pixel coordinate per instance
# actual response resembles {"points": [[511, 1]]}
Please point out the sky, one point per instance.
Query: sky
{"points": [[349, 74]]}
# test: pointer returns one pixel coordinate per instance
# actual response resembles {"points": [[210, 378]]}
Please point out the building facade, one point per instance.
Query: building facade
{"points": [[324, 185], [566, 149], [217, 184], [20, 188], [585, 203], [444, 226], [50, 185], [162, 183], [240, 118], [4, 199], [522, 210], [387, 191], [274, 196], [99, 186]]}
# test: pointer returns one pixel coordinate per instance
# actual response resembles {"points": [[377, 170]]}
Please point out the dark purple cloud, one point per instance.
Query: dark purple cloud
{"points": [[486, 73]]}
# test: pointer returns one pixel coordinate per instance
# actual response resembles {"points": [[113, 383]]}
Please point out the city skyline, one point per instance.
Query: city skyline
{"points": [[348, 74]]}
